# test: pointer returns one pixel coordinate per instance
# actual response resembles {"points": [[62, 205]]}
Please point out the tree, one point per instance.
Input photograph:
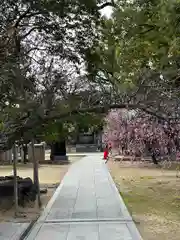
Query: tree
{"points": [[41, 58], [137, 134], [138, 56], [42, 53]]}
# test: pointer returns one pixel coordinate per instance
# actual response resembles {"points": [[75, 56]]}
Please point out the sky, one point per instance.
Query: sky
{"points": [[107, 11]]}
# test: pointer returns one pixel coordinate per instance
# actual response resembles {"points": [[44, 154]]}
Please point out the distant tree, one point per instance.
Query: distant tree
{"points": [[138, 134]]}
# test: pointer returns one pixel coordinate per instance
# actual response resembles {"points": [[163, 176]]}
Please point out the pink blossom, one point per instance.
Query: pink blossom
{"points": [[137, 134]]}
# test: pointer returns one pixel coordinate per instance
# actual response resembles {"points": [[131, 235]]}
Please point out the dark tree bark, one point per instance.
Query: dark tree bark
{"points": [[15, 180], [154, 159], [36, 173], [151, 151]]}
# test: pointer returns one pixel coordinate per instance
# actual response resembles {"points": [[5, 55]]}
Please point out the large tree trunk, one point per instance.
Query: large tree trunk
{"points": [[35, 173], [25, 151], [152, 153], [153, 156], [15, 180]]}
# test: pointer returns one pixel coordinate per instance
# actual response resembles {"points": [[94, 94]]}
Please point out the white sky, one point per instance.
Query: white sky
{"points": [[107, 11]]}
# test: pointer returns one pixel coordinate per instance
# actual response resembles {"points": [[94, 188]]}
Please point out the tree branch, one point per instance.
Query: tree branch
{"points": [[21, 128], [107, 4], [31, 30], [21, 17], [103, 109]]}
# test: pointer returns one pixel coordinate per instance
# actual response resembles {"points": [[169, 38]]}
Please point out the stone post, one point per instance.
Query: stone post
{"points": [[9, 155], [22, 155], [6, 157], [58, 152], [39, 152]]}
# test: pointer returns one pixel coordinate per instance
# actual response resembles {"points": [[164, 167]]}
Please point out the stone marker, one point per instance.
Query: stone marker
{"points": [[6, 157], [39, 150], [58, 152]]}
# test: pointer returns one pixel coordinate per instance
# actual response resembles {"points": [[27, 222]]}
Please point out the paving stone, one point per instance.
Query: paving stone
{"points": [[109, 213], [108, 202], [64, 202], [50, 231], [114, 231], [12, 231], [83, 232], [84, 214], [83, 203], [56, 214]]}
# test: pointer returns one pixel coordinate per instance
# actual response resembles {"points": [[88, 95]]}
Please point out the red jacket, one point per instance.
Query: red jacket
{"points": [[105, 153]]}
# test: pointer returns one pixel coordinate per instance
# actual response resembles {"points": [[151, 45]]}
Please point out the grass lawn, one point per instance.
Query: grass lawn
{"points": [[152, 196], [49, 176]]}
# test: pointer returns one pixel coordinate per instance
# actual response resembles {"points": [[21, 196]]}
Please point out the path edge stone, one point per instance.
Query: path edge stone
{"points": [[25, 233], [40, 219], [48, 207]]}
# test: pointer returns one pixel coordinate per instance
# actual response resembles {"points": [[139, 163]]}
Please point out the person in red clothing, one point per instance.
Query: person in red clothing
{"points": [[106, 153]]}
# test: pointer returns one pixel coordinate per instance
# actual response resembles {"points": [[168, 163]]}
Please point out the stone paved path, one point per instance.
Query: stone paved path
{"points": [[12, 230], [86, 206]]}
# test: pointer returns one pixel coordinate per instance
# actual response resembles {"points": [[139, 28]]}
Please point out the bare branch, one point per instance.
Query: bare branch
{"points": [[107, 4], [29, 32]]}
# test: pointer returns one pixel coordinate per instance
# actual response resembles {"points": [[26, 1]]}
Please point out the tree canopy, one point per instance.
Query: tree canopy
{"points": [[138, 55], [43, 45], [61, 58]]}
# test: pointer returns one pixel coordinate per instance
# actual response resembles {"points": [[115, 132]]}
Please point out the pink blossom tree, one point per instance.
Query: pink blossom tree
{"points": [[136, 134]]}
